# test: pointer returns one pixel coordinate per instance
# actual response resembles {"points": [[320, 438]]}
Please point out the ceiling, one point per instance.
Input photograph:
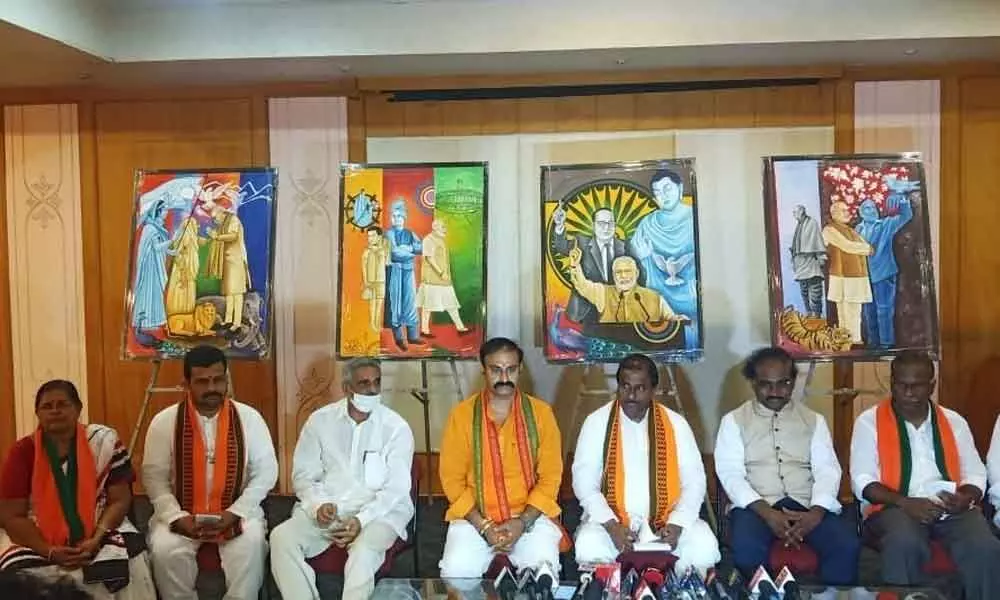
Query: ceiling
{"points": [[140, 42]]}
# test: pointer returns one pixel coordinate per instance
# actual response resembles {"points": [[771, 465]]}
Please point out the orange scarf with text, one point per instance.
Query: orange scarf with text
{"points": [[664, 469], [191, 462], [895, 457], [48, 507]]}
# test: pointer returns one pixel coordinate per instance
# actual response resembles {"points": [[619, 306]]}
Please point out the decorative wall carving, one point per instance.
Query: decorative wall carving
{"points": [[308, 138], [45, 254]]}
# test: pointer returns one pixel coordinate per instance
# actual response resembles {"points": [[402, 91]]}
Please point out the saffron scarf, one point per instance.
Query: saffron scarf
{"points": [[664, 469], [191, 460], [64, 503], [491, 492], [895, 457]]}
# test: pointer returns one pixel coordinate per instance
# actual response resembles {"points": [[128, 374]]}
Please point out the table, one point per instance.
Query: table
{"points": [[482, 589]]}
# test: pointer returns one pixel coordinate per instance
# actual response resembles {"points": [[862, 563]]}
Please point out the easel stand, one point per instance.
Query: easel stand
{"points": [[675, 396], [422, 395], [152, 388]]}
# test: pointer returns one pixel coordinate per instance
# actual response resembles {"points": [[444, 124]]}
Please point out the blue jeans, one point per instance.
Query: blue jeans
{"points": [[835, 541]]}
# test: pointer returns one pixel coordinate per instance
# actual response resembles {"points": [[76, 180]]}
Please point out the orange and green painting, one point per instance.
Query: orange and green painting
{"points": [[620, 265], [413, 261]]}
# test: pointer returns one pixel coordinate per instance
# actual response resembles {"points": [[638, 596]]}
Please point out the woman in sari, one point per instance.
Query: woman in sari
{"points": [[64, 493], [181, 292]]}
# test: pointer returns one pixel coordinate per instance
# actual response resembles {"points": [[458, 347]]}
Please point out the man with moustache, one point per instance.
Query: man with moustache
{"points": [[916, 466], [775, 460], [207, 466], [639, 477], [501, 466], [351, 472]]}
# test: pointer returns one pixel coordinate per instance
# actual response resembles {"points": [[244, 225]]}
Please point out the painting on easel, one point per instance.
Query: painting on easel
{"points": [[849, 255], [620, 264], [200, 264], [413, 261]]}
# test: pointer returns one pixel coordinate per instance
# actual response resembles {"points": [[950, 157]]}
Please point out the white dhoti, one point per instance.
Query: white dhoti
{"points": [[300, 538], [467, 555], [697, 547], [176, 569]]}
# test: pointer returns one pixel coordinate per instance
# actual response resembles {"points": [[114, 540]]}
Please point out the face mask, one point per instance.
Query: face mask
{"points": [[365, 402]]}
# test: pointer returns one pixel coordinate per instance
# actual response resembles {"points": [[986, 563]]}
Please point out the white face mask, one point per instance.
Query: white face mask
{"points": [[366, 402]]}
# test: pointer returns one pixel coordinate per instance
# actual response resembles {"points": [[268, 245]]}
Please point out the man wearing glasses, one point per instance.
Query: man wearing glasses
{"points": [[775, 460]]}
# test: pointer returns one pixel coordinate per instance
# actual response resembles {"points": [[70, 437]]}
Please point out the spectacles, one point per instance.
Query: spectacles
{"points": [[781, 383]]}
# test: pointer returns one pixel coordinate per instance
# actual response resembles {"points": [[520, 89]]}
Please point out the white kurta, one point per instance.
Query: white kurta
{"points": [[174, 556], [730, 466], [364, 470], [925, 472], [993, 469], [697, 545]]}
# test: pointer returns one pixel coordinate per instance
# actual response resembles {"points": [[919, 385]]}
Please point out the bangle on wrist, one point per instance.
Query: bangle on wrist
{"points": [[486, 526]]}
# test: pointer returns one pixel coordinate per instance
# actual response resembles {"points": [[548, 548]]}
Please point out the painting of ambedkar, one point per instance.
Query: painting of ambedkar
{"points": [[413, 261], [200, 263], [849, 255], [620, 264]]}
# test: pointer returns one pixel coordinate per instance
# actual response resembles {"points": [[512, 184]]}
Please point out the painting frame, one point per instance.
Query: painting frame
{"points": [[481, 312], [923, 263], [690, 191], [264, 336]]}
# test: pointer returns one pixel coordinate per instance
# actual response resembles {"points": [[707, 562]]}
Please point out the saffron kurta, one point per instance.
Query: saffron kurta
{"points": [[458, 457]]}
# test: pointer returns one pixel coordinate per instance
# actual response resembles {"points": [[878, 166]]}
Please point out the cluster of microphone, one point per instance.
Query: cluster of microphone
{"points": [[606, 582], [532, 584]]}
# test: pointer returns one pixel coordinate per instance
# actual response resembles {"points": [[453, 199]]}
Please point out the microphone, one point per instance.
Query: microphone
{"points": [[638, 301], [594, 591], [643, 592], [505, 585], [526, 582], [762, 586], [653, 577], [787, 585], [630, 583], [545, 581], [585, 579], [735, 585]]}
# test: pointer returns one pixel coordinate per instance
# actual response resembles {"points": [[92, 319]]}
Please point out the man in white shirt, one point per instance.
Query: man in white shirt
{"points": [[622, 506], [775, 460], [993, 470], [207, 466], [918, 470], [351, 472]]}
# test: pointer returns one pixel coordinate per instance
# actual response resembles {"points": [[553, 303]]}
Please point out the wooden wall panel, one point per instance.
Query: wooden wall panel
{"points": [[160, 135], [899, 116], [973, 375], [308, 142], [753, 107], [42, 165], [8, 427]]}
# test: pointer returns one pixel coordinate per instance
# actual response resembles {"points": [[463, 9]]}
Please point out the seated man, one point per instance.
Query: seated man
{"points": [[917, 468], [501, 466], [208, 464], [993, 471], [89, 540], [625, 498], [775, 460], [351, 472]]}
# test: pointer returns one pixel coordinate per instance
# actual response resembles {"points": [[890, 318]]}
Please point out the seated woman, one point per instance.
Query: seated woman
{"points": [[64, 493]]}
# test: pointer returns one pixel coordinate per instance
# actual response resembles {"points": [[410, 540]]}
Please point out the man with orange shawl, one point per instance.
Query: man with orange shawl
{"points": [[208, 464], [638, 474], [501, 466], [917, 468]]}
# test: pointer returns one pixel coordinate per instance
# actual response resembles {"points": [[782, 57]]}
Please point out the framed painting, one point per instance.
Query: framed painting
{"points": [[413, 260], [849, 256], [200, 263], [620, 264]]}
